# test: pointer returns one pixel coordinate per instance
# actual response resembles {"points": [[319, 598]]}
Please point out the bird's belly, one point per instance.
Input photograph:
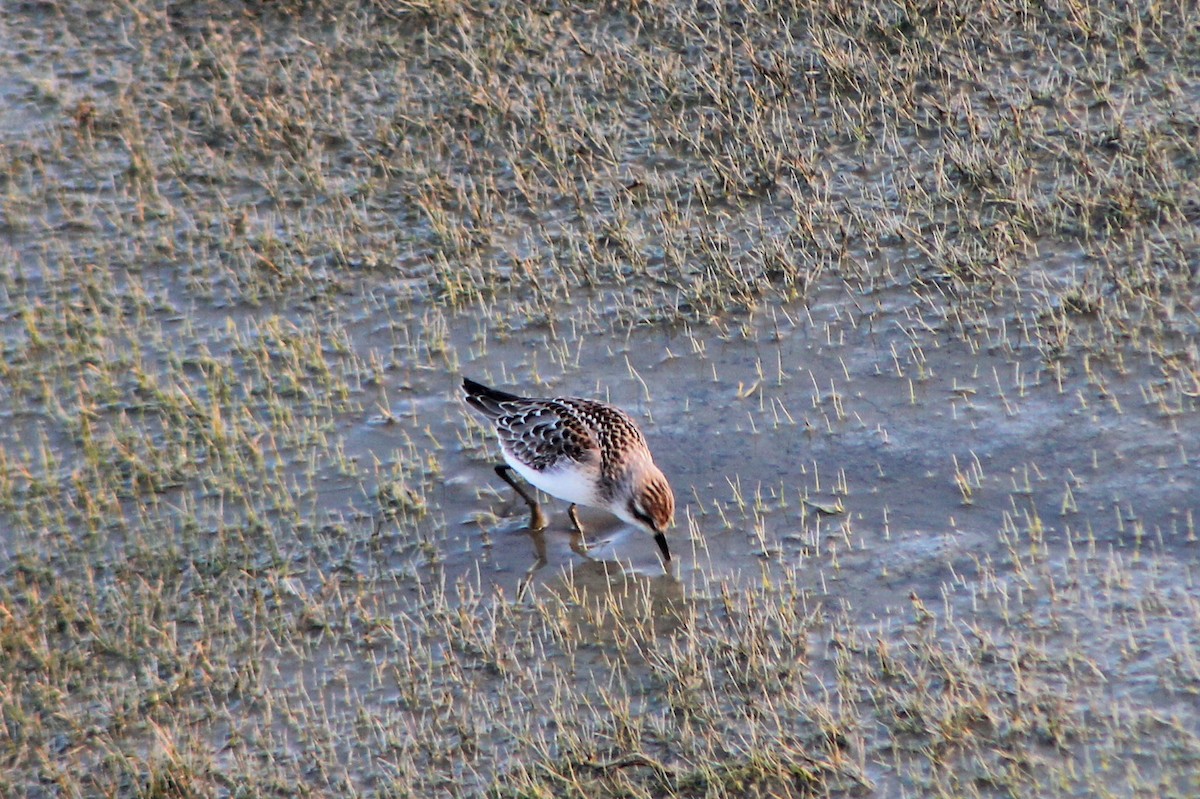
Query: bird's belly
{"points": [[571, 484]]}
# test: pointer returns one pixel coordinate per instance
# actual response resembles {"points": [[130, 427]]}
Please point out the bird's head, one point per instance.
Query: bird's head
{"points": [[651, 506]]}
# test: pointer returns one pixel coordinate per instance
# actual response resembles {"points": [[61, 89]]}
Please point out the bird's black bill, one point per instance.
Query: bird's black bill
{"points": [[661, 540]]}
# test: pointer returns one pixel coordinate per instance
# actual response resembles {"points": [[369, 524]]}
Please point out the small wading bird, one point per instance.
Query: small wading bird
{"points": [[579, 450]]}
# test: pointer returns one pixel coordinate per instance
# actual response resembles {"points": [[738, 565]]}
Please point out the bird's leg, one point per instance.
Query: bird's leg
{"points": [[578, 545], [575, 518], [537, 519]]}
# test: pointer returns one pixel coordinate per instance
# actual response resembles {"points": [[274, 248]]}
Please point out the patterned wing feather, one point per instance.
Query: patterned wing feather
{"points": [[542, 433], [617, 435]]}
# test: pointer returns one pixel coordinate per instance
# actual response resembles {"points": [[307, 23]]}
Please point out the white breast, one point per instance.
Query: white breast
{"points": [[571, 484]]}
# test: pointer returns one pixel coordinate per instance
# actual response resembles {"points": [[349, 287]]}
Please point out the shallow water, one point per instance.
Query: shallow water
{"points": [[894, 456]]}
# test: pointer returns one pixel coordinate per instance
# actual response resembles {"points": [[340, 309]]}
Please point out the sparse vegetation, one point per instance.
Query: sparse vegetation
{"points": [[906, 294]]}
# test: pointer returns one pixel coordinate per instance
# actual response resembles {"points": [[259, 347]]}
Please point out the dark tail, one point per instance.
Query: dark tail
{"points": [[485, 400]]}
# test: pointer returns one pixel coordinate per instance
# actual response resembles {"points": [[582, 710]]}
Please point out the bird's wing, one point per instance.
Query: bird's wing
{"points": [[545, 433]]}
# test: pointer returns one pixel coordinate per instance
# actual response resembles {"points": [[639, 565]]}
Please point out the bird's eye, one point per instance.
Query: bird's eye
{"points": [[635, 510]]}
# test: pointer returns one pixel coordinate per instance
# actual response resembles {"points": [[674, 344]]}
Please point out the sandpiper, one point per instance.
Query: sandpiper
{"points": [[579, 450]]}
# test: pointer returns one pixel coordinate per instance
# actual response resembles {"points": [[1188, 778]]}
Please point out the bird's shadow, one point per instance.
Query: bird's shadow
{"points": [[541, 557], [604, 595]]}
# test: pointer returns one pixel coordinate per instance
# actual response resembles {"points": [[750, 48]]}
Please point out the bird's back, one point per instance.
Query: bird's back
{"points": [[542, 431]]}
